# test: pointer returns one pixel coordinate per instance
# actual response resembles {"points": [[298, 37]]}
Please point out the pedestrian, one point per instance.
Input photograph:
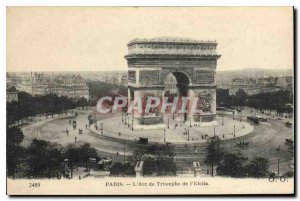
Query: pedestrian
{"points": [[75, 139]]}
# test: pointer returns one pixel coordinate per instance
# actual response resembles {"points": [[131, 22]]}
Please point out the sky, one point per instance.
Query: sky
{"points": [[95, 38]]}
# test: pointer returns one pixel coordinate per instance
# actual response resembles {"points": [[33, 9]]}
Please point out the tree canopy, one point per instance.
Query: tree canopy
{"points": [[273, 100]]}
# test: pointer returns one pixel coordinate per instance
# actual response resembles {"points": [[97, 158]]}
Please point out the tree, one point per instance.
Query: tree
{"points": [[14, 136], [223, 97], [12, 113], [118, 169], [232, 165], [86, 152], [214, 152], [44, 159], [240, 98], [99, 89], [158, 159], [15, 156], [54, 158], [82, 102], [72, 154], [258, 167], [15, 153]]}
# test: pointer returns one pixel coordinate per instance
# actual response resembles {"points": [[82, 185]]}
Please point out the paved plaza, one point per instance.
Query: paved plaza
{"points": [[175, 133], [263, 140]]}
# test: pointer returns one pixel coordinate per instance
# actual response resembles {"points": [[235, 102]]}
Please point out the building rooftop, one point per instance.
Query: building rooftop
{"points": [[11, 89]]}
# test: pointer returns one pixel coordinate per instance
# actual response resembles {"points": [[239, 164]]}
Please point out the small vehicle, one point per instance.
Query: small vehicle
{"points": [[253, 119], [104, 161], [242, 144], [74, 124], [168, 144], [289, 141], [288, 124], [143, 140]]}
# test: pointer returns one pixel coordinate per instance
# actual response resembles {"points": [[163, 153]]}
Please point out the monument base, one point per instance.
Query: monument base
{"points": [[149, 127], [202, 124]]}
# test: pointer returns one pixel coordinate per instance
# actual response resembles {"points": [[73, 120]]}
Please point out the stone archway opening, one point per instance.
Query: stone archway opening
{"points": [[177, 85]]}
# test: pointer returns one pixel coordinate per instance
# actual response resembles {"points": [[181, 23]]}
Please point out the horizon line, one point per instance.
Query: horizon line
{"points": [[237, 69]]}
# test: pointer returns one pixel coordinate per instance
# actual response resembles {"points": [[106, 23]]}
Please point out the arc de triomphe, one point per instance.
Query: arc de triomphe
{"points": [[192, 62]]}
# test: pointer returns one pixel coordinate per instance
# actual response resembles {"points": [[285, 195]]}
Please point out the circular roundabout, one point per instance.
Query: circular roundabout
{"points": [[175, 132]]}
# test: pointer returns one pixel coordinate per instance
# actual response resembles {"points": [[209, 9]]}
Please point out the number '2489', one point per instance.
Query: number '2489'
{"points": [[34, 185]]}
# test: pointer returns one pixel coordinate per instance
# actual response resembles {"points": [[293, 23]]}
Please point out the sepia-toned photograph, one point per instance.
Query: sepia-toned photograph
{"points": [[150, 100]]}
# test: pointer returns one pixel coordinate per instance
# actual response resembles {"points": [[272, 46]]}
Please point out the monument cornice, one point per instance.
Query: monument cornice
{"points": [[171, 40], [140, 87], [203, 86], [172, 56], [194, 86]]}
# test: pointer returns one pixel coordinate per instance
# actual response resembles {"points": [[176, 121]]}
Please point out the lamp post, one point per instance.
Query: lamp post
{"points": [[188, 132], [222, 119], [214, 131], [234, 131], [164, 135], [241, 116], [128, 121], [278, 166], [124, 153], [132, 122]]}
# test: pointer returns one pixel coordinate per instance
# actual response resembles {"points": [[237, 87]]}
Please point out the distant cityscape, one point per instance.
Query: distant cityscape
{"points": [[74, 84], [255, 80]]}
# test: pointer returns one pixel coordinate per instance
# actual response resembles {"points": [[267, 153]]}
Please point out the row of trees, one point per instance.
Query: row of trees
{"points": [[262, 101], [234, 164], [99, 89], [29, 106], [42, 159]]}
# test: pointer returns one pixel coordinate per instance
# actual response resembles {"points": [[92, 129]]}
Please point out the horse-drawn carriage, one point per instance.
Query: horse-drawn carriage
{"points": [[242, 144]]}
